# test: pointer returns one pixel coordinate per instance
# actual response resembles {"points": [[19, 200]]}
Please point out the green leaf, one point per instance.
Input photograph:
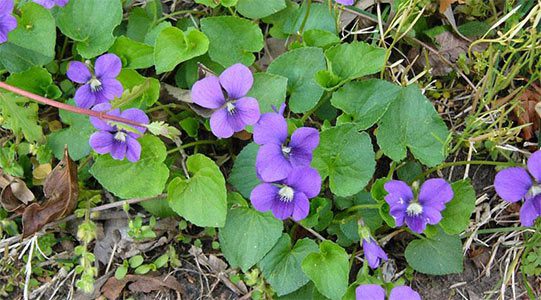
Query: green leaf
{"points": [[21, 116], [243, 175], [257, 9], [319, 38], [282, 265], [346, 157], [142, 20], [201, 199], [215, 3], [174, 46], [159, 208], [368, 60], [36, 80], [247, 236], [456, 216], [269, 90], [121, 272], [232, 39], [32, 42], [328, 269], [308, 291], [90, 23], [146, 178], [299, 66], [134, 54], [136, 261], [411, 122], [365, 101], [76, 136], [139, 91], [320, 216], [440, 255], [320, 17]]}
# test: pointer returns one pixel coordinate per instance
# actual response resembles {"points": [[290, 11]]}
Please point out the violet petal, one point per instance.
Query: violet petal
{"points": [[306, 180], [369, 292], [404, 293], [107, 66], [271, 128], [208, 93], [78, 72], [237, 80], [512, 184]]}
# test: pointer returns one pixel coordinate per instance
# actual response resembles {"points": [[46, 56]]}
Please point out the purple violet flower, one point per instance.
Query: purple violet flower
{"points": [[119, 142], [417, 212], [345, 2], [376, 292], [48, 4], [288, 198], [7, 22], [100, 87], [514, 184], [373, 253], [232, 109], [277, 156]]}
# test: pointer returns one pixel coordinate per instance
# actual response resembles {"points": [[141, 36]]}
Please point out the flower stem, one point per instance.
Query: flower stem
{"points": [[303, 24], [463, 163], [325, 98], [363, 206], [192, 144], [64, 106]]}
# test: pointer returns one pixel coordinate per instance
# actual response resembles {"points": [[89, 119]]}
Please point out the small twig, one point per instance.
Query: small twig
{"points": [[74, 109], [313, 232]]}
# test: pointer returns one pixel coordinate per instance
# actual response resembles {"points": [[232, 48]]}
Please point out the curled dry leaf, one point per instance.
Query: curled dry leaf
{"points": [[529, 111], [61, 192], [15, 194], [140, 284], [184, 96]]}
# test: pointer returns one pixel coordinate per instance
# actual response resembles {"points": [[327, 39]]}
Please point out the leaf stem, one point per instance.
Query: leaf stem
{"points": [[363, 206], [179, 12], [325, 98], [303, 24], [192, 144], [64, 106]]}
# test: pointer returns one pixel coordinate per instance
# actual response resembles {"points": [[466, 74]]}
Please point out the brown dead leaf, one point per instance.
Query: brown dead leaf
{"points": [[112, 289], [449, 47], [444, 4], [61, 192], [526, 112], [15, 194]]}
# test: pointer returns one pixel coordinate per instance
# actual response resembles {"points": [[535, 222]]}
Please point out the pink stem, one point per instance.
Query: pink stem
{"points": [[78, 110]]}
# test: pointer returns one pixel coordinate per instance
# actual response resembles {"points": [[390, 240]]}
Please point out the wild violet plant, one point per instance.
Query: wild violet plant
{"points": [[297, 167]]}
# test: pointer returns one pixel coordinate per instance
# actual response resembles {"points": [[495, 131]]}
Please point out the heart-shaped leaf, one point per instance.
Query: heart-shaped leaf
{"points": [[174, 46]]}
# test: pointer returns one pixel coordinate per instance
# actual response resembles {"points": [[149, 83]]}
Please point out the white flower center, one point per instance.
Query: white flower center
{"points": [[534, 190], [286, 193], [95, 84], [286, 150], [120, 136], [414, 209], [230, 107]]}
